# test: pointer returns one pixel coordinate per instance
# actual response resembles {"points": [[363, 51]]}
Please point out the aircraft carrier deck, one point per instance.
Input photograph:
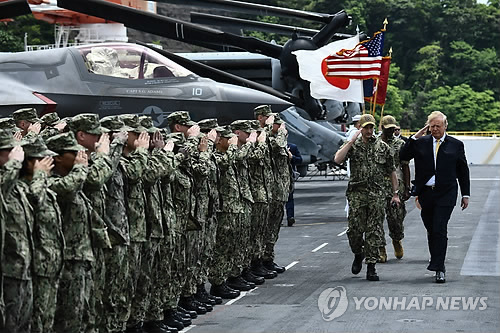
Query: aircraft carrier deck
{"points": [[406, 299]]}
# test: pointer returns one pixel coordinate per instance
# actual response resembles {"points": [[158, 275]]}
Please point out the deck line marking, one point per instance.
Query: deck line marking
{"points": [[185, 329], [320, 247], [243, 293], [290, 265]]}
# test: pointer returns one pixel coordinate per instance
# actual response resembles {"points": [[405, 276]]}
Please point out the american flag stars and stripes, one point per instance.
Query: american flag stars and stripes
{"points": [[362, 62]]}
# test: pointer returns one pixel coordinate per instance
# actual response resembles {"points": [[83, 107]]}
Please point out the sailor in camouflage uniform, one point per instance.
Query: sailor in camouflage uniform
{"points": [[134, 165], [70, 171], [17, 242], [51, 125], [92, 136], [27, 120], [370, 161], [48, 236], [395, 215], [227, 217]]}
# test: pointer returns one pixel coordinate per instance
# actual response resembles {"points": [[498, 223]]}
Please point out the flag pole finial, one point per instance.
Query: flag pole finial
{"points": [[386, 22], [390, 52], [357, 29]]}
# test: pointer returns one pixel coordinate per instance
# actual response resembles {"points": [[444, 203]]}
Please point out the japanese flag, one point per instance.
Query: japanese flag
{"points": [[322, 87]]}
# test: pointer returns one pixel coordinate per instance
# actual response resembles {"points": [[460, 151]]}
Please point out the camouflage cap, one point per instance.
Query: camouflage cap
{"points": [[7, 140], [28, 114], [8, 123], [366, 119], [50, 119], [64, 142], [242, 125], [181, 118], [176, 138], [207, 125], [277, 119], [147, 122], [226, 132], [114, 124], [256, 126], [388, 122], [132, 120], [264, 110], [86, 122], [37, 149]]}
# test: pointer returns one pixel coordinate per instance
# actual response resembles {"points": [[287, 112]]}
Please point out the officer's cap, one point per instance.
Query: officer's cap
{"points": [[64, 142], [132, 120], [28, 114], [264, 110], [242, 125], [86, 122], [50, 119], [147, 122], [366, 119], [181, 118], [388, 122], [37, 149], [207, 125], [277, 119], [115, 124]]}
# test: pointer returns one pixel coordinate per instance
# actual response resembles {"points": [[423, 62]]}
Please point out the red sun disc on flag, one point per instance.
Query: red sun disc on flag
{"points": [[339, 82]]}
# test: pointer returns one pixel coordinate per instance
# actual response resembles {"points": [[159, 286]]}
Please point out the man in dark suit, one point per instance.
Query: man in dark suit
{"points": [[439, 162]]}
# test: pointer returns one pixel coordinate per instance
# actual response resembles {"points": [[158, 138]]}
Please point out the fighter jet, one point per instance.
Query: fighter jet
{"points": [[116, 78]]}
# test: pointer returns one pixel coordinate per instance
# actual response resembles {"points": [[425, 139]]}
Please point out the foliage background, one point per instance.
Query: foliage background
{"points": [[445, 53]]}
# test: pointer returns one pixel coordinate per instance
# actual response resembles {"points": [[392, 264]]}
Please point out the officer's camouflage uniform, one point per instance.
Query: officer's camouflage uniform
{"points": [[230, 210], [100, 170], [370, 163], [73, 299], [259, 184], [280, 189], [17, 224], [395, 215], [48, 242], [241, 258]]}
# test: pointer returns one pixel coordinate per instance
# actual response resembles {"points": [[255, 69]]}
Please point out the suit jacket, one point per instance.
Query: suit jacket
{"points": [[451, 165]]}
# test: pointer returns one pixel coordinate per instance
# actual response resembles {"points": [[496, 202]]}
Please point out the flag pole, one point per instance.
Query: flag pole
{"points": [[375, 98]]}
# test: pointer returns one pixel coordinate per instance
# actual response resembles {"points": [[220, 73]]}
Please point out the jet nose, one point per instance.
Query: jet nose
{"points": [[251, 97]]}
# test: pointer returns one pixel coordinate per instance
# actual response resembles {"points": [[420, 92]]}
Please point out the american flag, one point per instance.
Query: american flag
{"points": [[362, 62]]}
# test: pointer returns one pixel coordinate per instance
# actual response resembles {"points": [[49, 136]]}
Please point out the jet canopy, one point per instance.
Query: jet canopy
{"points": [[129, 61]]}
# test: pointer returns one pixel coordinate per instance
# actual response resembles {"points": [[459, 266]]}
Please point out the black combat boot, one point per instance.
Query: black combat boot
{"points": [[259, 270], [357, 264], [202, 295], [272, 266], [158, 327], [238, 284], [216, 299], [188, 313], [250, 277], [170, 319], [371, 273], [223, 291], [182, 318], [189, 304]]}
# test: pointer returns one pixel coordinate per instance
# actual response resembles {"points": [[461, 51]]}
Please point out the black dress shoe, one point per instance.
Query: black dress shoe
{"points": [[291, 222], [440, 277], [191, 314], [357, 264], [223, 291], [238, 284], [250, 277], [272, 266]]}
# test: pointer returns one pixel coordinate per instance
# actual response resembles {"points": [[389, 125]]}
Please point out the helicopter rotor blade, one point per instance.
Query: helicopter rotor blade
{"points": [[168, 27], [13, 8], [252, 8]]}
